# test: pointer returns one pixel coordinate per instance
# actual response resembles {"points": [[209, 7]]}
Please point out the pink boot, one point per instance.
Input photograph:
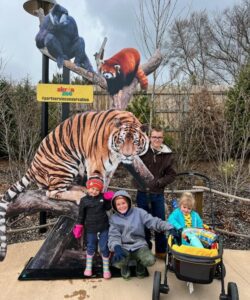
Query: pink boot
{"points": [[106, 272], [88, 269]]}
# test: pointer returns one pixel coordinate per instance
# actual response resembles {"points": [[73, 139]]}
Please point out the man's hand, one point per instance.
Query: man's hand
{"points": [[153, 184]]}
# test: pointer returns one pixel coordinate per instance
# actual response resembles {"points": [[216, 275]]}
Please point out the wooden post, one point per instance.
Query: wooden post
{"points": [[199, 198]]}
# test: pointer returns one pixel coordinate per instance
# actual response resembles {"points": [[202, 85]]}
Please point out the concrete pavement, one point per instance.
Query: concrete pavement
{"points": [[237, 267]]}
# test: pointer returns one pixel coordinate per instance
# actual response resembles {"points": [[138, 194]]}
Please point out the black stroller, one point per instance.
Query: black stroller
{"points": [[200, 267]]}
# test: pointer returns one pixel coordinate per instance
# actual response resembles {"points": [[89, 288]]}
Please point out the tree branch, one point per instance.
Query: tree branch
{"points": [[93, 77], [99, 55], [121, 100], [32, 201]]}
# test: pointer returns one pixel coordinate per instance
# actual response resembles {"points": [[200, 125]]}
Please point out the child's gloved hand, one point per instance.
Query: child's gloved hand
{"points": [[108, 195], [176, 234], [78, 231], [119, 253]]}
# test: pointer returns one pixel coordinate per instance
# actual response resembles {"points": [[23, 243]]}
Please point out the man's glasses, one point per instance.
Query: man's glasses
{"points": [[157, 137]]}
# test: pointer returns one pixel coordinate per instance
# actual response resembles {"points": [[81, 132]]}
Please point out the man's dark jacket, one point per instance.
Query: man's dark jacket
{"points": [[92, 213], [160, 164]]}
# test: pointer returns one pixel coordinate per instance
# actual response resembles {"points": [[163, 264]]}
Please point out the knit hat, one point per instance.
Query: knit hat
{"points": [[95, 183]]}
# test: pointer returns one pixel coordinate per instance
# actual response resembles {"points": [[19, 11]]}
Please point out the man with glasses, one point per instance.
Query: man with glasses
{"points": [[159, 160]]}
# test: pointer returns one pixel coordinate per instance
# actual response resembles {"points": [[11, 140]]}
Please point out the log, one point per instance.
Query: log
{"points": [[32, 201]]}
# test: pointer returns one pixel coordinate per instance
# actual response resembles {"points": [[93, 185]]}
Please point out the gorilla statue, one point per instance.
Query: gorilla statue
{"points": [[58, 32]]}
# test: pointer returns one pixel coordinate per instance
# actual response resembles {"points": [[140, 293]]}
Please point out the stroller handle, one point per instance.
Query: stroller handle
{"points": [[191, 173]]}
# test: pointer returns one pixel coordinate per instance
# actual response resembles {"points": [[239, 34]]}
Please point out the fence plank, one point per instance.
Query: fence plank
{"points": [[171, 104]]}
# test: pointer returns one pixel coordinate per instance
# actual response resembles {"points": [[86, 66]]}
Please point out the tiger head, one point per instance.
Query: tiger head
{"points": [[128, 140]]}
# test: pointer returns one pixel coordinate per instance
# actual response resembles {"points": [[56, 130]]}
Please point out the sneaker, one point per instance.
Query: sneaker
{"points": [[160, 255], [140, 270], [125, 272]]}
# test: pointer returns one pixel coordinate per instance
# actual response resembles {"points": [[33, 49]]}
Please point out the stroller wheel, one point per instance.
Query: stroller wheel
{"points": [[232, 291], [156, 286]]}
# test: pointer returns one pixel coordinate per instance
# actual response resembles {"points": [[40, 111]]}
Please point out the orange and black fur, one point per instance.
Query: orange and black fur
{"points": [[121, 69], [95, 142]]}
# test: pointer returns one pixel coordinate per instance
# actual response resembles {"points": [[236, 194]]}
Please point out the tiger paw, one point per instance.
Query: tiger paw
{"points": [[70, 195], [3, 208], [2, 254], [3, 244]]}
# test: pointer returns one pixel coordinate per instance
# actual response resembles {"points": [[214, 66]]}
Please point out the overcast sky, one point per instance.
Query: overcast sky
{"points": [[115, 19]]}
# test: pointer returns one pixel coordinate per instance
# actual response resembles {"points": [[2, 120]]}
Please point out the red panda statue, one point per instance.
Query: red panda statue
{"points": [[121, 69]]}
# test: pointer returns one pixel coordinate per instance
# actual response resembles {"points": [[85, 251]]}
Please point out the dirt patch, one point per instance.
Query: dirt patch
{"points": [[81, 295]]}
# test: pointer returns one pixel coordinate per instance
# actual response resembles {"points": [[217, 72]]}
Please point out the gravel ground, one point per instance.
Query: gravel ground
{"points": [[230, 216]]}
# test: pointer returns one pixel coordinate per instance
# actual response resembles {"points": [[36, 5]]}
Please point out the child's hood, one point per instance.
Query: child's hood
{"points": [[124, 194]]}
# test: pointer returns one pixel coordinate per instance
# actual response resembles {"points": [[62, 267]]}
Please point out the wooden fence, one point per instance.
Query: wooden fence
{"points": [[171, 104]]}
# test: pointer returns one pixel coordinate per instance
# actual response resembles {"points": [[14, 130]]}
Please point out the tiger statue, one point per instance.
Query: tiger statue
{"points": [[95, 142]]}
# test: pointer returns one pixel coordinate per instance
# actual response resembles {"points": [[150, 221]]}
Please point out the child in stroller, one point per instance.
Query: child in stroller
{"points": [[185, 217]]}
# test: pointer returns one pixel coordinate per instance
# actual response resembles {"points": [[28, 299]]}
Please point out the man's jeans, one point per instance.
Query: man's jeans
{"points": [[155, 205], [92, 239]]}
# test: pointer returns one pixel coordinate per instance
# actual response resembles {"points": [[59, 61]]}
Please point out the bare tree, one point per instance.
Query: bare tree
{"points": [[189, 40], [211, 50], [154, 18], [229, 158], [188, 145], [218, 132], [230, 47], [20, 121], [2, 63]]}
